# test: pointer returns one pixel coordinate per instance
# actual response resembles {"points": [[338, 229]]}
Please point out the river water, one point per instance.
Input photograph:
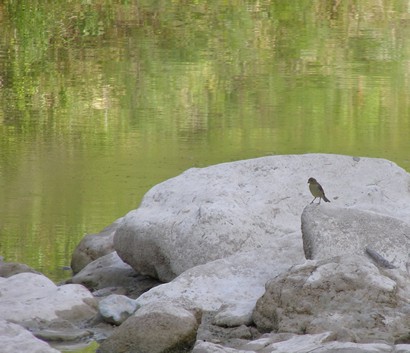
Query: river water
{"points": [[102, 100]]}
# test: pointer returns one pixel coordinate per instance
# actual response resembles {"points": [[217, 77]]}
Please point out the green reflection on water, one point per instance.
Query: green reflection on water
{"points": [[77, 348], [102, 100]]}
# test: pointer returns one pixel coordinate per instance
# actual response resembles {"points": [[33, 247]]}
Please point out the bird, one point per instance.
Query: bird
{"points": [[317, 190]]}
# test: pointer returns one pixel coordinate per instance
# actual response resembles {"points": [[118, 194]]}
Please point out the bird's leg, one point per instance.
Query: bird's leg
{"points": [[313, 200]]}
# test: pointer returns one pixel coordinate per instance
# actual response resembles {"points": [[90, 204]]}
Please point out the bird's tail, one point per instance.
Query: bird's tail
{"points": [[325, 198]]}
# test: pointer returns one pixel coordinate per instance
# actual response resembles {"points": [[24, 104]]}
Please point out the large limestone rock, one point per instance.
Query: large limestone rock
{"points": [[207, 214], [155, 328], [16, 339], [35, 302], [93, 246], [333, 231], [347, 295]]}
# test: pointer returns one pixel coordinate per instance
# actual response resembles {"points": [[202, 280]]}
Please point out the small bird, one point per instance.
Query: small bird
{"points": [[317, 190]]}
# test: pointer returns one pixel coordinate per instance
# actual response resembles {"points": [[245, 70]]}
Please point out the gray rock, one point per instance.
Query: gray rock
{"points": [[207, 214], [347, 295], [116, 309], [16, 339], [93, 246], [334, 231], [155, 328], [110, 271]]}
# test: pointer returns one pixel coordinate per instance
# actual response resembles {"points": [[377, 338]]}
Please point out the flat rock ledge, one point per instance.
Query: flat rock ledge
{"points": [[329, 231]]}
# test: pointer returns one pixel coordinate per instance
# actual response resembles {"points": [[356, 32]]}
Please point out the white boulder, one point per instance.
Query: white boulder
{"points": [[207, 214]]}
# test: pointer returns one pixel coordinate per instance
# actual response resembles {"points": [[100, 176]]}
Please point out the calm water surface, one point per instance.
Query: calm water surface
{"points": [[102, 100]]}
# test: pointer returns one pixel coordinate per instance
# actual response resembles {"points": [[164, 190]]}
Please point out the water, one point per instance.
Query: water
{"points": [[102, 100]]}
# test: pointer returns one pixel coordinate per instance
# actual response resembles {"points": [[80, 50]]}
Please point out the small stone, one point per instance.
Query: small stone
{"points": [[116, 309]]}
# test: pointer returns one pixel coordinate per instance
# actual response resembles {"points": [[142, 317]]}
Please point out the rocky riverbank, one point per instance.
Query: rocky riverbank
{"points": [[233, 258]]}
